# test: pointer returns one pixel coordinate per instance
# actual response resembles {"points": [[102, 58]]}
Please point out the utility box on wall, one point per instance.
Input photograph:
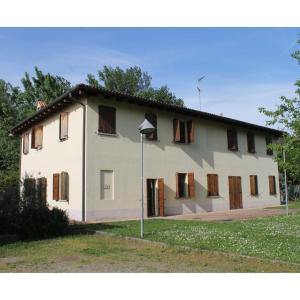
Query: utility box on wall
{"points": [[107, 185]]}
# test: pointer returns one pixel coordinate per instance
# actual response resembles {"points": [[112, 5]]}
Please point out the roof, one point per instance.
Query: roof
{"points": [[86, 90]]}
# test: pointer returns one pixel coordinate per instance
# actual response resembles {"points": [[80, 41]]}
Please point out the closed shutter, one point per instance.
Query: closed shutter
{"points": [[161, 196], [64, 120], [272, 186], [39, 137], [268, 143], [176, 130], [64, 185], [251, 142], [232, 139], [191, 131], [42, 190], [216, 185], [253, 185], [107, 119], [33, 145], [212, 185], [26, 143], [56, 187], [152, 118], [177, 185], [191, 185]]}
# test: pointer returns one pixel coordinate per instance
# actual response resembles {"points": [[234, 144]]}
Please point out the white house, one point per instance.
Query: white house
{"points": [[84, 149]]}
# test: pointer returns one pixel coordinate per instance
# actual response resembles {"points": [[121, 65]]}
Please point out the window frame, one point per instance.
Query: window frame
{"points": [[61, 136], [272, 185], [183, 131], [255, 191], [251, 140], [111, 128], [213, 185], [152, 118]]}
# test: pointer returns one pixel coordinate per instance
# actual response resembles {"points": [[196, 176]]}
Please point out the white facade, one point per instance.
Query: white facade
{"points": [[112, 165]]}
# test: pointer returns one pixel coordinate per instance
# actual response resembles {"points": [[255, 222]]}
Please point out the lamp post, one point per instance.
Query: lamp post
{"points": [[144, 128]]}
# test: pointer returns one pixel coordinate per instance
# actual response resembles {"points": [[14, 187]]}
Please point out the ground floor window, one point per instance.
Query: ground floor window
{"points": [[185, 185]]}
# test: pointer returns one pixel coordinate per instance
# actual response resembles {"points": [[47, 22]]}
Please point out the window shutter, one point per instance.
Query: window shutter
{"points": [[209, 185], [107, 119], [253, 185], [161, 196], [191, 185], [26, 143], [212, 185], [232, 139], [176, 130], [269, 142], [251, 142], [63, 130], [216, 185], [177, 185], [191, 131], [33, 138], [64, 186], [42, 189], [38, 137], [272, 186], [152, 118], [56, 187]]}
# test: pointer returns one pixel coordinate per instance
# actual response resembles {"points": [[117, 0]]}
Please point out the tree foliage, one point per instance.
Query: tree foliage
{"points": [[287, 115], [132, 81]]}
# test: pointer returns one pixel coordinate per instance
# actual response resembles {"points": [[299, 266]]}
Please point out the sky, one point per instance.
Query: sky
{"points": [[244, 68]]}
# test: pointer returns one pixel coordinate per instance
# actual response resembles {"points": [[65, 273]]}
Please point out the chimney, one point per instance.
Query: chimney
{"points": [[40, 104]]}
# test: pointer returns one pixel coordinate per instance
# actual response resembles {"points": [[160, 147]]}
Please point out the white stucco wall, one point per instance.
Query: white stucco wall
{"points": [[163, 158], [57, 156]]}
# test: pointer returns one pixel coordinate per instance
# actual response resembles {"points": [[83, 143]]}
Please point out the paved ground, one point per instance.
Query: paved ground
{"points": [[232, 215]]}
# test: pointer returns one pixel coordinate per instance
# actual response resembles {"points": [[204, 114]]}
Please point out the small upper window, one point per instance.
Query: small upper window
{"points": [[152, 118], [268, 143], [63, 126], [37, 137], [251, 142], [26, 143], [232, 139], [107, 119], [183, 131]]}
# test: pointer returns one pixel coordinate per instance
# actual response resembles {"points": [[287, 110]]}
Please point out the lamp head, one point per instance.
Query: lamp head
{"points": [[146, 127]]}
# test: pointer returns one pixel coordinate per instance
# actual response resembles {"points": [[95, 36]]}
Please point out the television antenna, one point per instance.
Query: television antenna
{"points": [[199, 90]]}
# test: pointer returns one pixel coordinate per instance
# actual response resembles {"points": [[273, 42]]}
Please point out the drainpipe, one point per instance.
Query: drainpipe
{"points": [[83, 217]]}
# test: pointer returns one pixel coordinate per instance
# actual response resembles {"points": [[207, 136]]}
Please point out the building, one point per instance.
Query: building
{"points": [[84, 149]]}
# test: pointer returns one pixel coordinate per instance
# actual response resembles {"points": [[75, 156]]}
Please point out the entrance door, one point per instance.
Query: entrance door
{"points": [[235, 192], [151, 197]]}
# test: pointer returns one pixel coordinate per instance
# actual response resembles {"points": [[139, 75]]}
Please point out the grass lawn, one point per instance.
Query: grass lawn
{"points": [[91, 253], [275, 238]]}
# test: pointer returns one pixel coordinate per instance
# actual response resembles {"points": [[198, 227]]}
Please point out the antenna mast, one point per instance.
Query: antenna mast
{"points": [[199, 91]]}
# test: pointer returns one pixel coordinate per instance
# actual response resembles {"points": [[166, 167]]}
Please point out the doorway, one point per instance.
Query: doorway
{"points": [[151, 198], [235, 192]]}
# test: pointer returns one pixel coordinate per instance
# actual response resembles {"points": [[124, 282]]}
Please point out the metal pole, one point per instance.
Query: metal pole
{"points": [[285, 184], [142, 188]]}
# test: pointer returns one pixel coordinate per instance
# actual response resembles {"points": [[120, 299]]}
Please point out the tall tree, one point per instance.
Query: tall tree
{"points": [[132, 81], [287, 115]]}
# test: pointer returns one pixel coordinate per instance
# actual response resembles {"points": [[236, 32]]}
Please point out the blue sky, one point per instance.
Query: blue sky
{"points": [[244, 67]]}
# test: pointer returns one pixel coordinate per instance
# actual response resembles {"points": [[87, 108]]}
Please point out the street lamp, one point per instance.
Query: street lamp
{"points": [[145, 128]]}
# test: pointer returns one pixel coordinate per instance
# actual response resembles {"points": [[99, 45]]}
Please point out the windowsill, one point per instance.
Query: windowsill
{"points": [[181, 143], [233, 150], [64, 139], [252, 152], [107, 134], [63, 201], [211, 196]]}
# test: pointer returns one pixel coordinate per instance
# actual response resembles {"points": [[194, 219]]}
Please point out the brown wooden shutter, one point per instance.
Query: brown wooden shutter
{"points": [[191, 131], [64, 186], [26, 143], [216, 185], [176, 130], [212, 185], [63, 128], [253, 185], [177, 185], [232, 139], [191, 185], [42, 189], [33, 130], [56, 187], [152, 118], [161, 196], [272, 185], [107, 119], [209, 185], [250, 142], [269, 142], [39, 137]]}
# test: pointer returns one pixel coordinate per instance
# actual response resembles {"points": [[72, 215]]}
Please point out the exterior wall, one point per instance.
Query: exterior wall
{"points": [[163, 158], [57, 156]]}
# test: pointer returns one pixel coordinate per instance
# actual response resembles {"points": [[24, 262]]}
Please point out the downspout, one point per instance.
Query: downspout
{"points": [[83, 217]]}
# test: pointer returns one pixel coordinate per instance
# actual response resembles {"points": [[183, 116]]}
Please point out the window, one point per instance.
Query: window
{"points": [[61, 186], [153, 120], [107, 120], [185, 185], [253, 185], [183, 131], [37, 137], [63, 126], [212, 185], [107, 185], [232, 139], [272, 185], [26, 143], [251, 142], [268, 143]]}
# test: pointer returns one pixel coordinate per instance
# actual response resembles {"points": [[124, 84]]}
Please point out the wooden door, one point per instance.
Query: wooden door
{"points": [[161, 196], [235, 192]]}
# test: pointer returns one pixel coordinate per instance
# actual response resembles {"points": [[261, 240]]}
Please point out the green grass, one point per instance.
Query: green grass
{"points": [[276, 238]]}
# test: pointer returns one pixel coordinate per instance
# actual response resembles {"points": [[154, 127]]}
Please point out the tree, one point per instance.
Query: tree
{"points": [[287, 115], [132, 81]]}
